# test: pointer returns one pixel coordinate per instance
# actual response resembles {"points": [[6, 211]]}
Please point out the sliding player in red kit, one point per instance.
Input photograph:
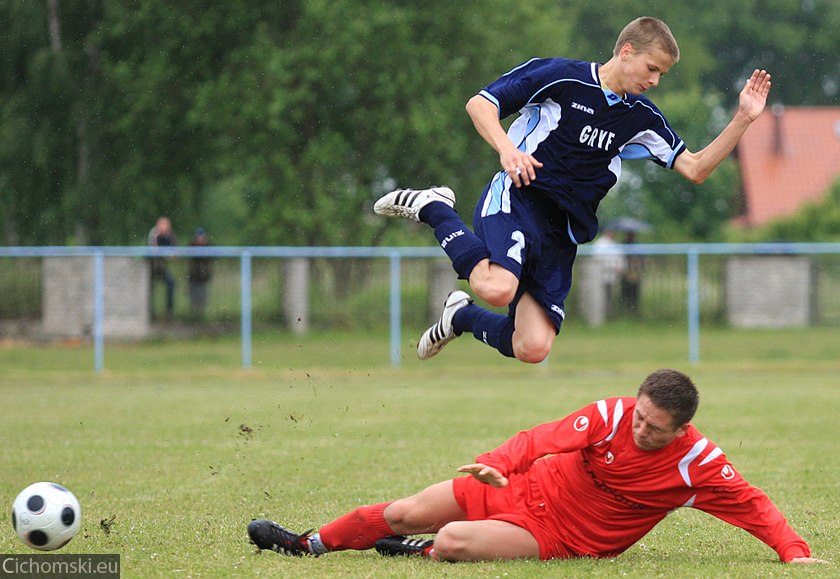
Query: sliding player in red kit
{"points": [[588, 485]]}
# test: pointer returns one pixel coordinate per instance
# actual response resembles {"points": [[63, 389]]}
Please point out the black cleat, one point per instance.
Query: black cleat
{"points": [[399, 546], [269, 535]]}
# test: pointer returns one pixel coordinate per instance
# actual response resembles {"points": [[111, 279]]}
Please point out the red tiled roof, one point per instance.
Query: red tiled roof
{"points": [[789, 156]]}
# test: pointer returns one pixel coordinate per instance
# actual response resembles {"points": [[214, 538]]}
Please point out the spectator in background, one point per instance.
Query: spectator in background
{"points": [[631, 279], [612, 264], [162, 235], [199, 276]]}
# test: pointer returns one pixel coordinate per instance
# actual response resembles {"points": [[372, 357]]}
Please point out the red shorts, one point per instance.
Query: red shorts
{"points": [[520, 503]]}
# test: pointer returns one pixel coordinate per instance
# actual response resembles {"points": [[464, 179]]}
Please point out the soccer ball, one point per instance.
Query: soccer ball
{"points": [[46, 516]]}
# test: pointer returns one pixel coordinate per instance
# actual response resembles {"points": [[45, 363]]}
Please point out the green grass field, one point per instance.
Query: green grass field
{"points": [[174, 448]]}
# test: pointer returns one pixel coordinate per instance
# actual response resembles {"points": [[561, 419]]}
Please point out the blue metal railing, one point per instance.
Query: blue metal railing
{"points": [[395, 255]]}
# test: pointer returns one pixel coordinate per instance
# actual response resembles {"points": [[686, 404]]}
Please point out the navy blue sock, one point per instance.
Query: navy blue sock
{"points": [[435, 213], [463, 247], [495, 330]]}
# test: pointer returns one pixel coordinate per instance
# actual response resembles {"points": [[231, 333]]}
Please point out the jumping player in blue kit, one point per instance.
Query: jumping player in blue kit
{"points": [[578, 121]]}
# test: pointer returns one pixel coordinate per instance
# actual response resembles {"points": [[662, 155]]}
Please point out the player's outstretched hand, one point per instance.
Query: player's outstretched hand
{"points": [[754, 95], [520, 166], [486, 474], [808, 561]]}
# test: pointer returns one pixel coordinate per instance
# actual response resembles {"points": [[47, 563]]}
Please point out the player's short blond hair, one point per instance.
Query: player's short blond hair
{"points": [[645, 34]]}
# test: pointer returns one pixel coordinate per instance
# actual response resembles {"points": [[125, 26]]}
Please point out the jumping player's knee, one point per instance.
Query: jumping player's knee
{"points": [[532, 348], [497, 296], [497, 289]]}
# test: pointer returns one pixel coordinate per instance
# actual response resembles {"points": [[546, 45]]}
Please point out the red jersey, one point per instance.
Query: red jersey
{"points": [[606, 494]]}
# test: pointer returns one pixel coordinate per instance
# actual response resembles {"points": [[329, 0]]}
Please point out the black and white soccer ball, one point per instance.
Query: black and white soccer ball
{"points": [[46, 516]]}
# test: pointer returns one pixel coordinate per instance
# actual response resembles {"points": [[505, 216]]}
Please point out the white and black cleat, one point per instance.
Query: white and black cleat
{"points": [[409, 202], [442, 332]]}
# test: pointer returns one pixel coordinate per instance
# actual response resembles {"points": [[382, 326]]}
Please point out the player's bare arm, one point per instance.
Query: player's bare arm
{"points": [[697, 167], [486, 474], [519, 165]]}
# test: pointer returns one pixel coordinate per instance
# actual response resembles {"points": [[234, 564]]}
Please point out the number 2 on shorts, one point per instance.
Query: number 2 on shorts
{"points": [[515, 251]]}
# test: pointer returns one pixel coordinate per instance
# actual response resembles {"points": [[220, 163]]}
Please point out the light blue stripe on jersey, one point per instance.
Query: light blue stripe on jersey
{"points": [[635, 151], [490, 98], [595, 81], [534, 114], [524, 64], [677, 150], [534, 125], [651, 146], [675, 142], [498, 197], [571, 234]]}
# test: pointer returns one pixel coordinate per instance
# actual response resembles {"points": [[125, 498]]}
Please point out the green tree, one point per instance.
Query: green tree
{"points": [[346, 100], [280, 122], [791, 39], [40, 120]]}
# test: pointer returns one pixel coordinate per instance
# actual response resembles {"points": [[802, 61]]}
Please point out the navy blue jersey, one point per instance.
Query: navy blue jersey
{"points": [[580, 132]]}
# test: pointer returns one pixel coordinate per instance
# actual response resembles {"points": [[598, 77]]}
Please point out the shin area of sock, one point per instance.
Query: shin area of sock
{"points": [[359, 529]]}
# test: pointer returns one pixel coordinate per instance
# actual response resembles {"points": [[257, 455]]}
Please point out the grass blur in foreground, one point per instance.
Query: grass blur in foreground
{"points": [[174, 448]]}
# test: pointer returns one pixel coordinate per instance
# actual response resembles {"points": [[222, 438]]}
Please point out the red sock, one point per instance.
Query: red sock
{"points": [[358, 529]]}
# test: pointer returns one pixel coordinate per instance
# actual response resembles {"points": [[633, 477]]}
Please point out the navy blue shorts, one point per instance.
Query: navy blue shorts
{"points": [[527, 234]]}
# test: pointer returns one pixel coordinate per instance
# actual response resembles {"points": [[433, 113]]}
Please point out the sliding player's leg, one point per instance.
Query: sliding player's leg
{"points": [[488, 540], [359, 529]]}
